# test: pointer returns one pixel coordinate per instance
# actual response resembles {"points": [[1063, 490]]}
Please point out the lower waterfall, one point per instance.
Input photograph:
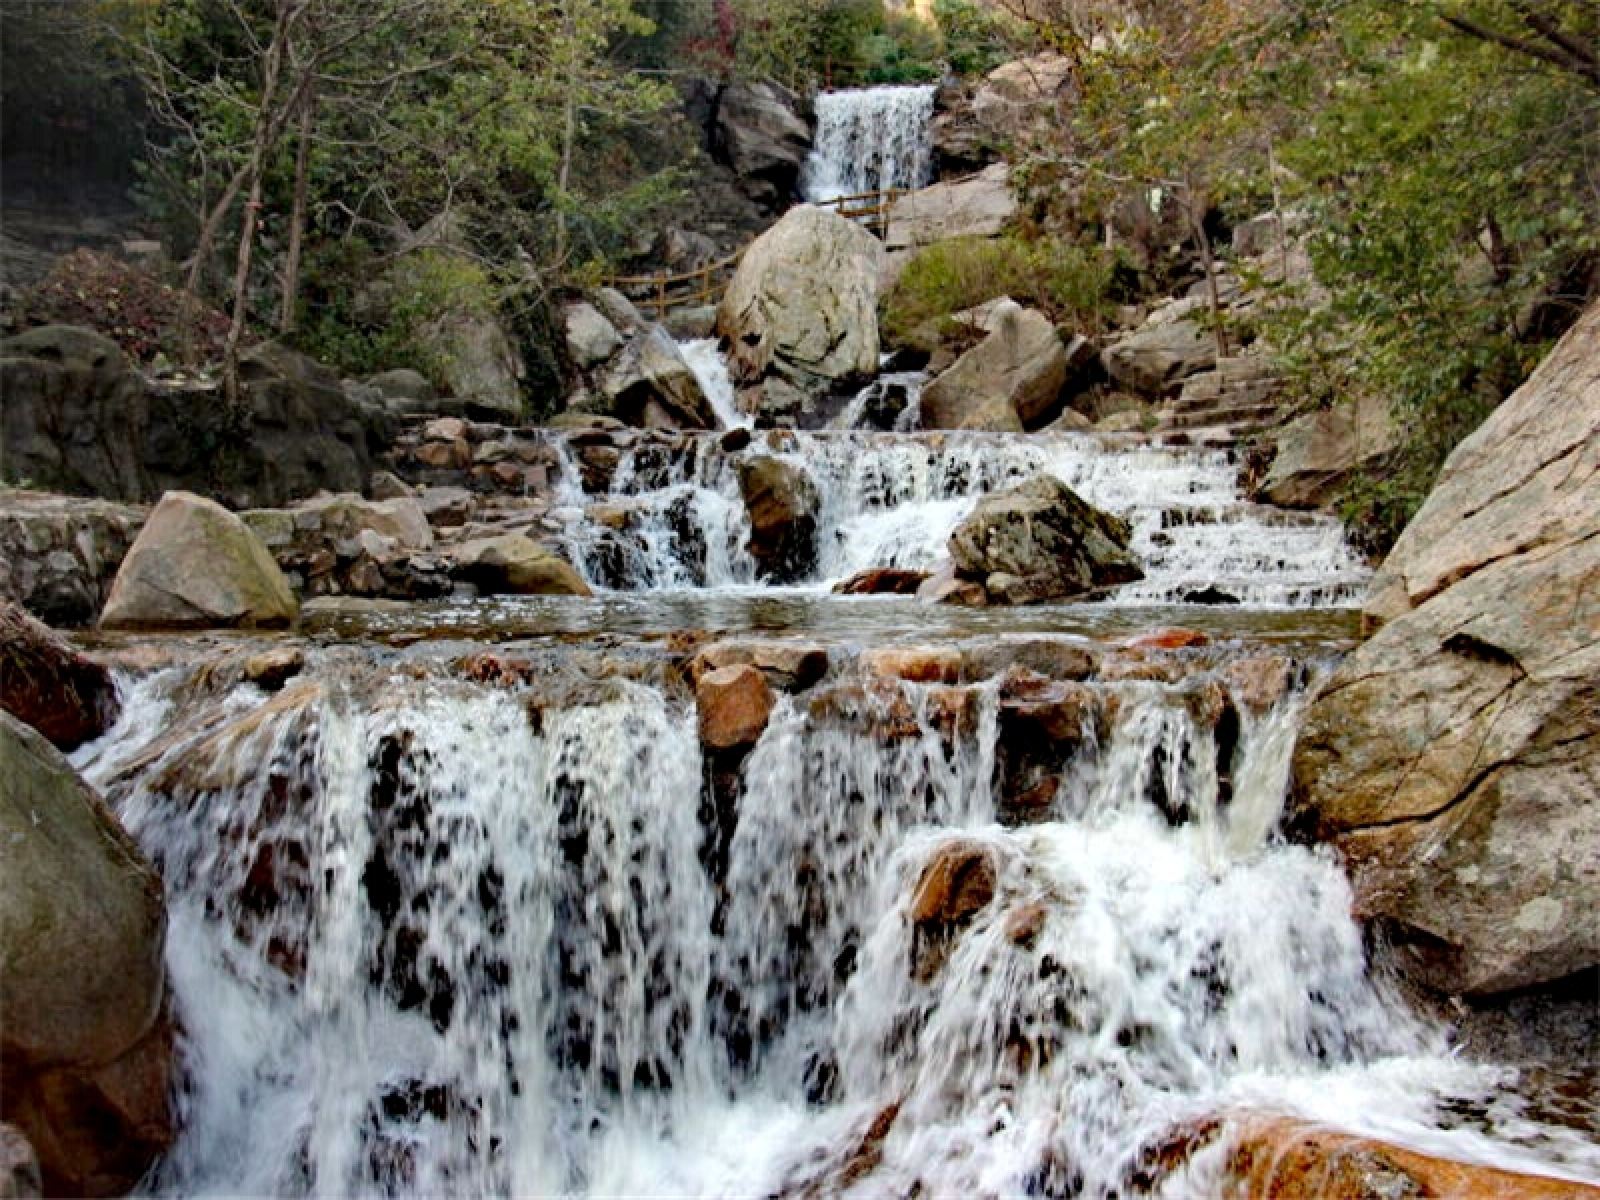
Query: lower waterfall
{"points": [[446, 922]]}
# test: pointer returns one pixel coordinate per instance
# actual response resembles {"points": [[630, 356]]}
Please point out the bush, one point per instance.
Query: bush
{"points": [[1072, 283], [144, 316]]}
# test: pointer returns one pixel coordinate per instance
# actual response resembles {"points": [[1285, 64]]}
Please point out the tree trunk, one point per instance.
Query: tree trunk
{"points": [[189, 313], [568, 131], [297, 217], [1197, 223], [265, 134]]}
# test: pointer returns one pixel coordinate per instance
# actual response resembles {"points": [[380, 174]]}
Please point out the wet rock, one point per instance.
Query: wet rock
{"points": [[735, 440], [957, 883], [82, 925], [914, 664], [804, 302], [196, 565], [20, 1178], [1210, 594], [1155, 358], [1052, 657], [1454, 758], [734, 704], [1315, 455], [944, 586], [1024, 923], [271, 669], [59, 554], [782, 503], [881, 581], [1260, 681], [1167, 639], [1010, 381], [979, 206], [649, 384], [514, 564], [1285, 1156], [788, 665], [1041, 541], [46, 684]]}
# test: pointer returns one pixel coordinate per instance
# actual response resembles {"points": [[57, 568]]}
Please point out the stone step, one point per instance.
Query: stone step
{"points": [[1237, 414], [1198, 392]]}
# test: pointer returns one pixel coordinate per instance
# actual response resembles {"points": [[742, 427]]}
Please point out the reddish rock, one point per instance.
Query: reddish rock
{"points": [[271, 669], [50, 686], [1024, 923], [881, 581], [1167, 639], [1276, 1158], [1054, 710], [734, 703], [914, 664], [958, 882], [789, 666], [944, 586]]}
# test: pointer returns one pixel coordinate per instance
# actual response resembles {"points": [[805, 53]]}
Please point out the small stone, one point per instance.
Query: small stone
{"points": [[1167, 639], [271, 669], [735, 704], [1023, 924]]}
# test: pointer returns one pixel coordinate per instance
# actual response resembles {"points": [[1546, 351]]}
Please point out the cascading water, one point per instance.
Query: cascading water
{"points": [[869, 140], [525, 937], [887, 500]]}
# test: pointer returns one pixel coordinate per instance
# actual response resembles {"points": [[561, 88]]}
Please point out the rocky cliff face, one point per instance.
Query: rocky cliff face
{"points": [[1454, 759]]}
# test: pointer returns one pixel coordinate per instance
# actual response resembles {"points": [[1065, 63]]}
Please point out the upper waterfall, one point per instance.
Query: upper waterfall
{"points": [[870, 139]]}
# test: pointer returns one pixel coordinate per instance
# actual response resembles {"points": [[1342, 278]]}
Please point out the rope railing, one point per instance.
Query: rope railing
{"points": [[705, 284]]}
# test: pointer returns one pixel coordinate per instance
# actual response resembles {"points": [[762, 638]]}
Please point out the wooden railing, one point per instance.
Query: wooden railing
{"points": [[705, 285]]}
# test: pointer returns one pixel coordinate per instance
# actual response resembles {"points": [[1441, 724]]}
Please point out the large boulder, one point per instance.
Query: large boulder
{"points": [[1023, 98], [515, 564], [86, 1049], [479, 364], [405, 391], [1316, 454], [1454, 759], [74, 417], [58, 554], [650, 384], [978, 206], [758, 134], [1157, 357], [1009, 381], [195, 565], [47, 684], [804, 302], [782, 503], [1042, 541]]}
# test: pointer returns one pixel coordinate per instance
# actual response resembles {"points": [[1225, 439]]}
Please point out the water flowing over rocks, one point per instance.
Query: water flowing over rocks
{"points": [[48, 685], [86, 1047], [782, 503], [803, 305], [734, 704], [196, 565], [1040, 541], [870, 140], [1455, 757]]}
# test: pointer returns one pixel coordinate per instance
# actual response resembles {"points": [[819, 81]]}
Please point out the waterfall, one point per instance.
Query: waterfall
{"points": [[888, 500], [870, 139], [710, 368], [523, 937]]}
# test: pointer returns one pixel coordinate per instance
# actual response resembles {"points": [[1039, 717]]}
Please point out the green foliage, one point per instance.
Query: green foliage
{"points": [[976, 38], [806, 44], [1074, 284]]}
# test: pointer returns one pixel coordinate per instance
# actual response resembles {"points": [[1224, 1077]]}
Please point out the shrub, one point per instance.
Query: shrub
{"points": [[1073, 284], [144, 316]]}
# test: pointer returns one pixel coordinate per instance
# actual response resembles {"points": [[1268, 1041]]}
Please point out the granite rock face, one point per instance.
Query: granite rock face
{"points": [[1454, 759]]}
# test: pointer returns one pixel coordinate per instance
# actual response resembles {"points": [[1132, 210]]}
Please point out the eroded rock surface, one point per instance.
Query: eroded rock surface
{"points": [[1454, 758]]}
